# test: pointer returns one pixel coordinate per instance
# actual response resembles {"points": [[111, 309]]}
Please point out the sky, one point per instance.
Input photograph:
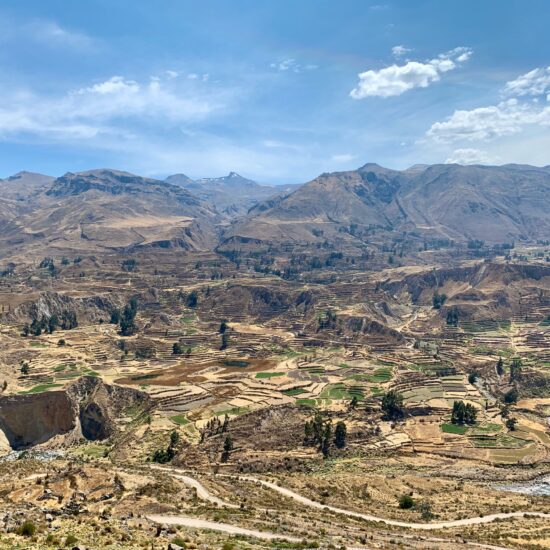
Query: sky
{"points": [[276, 90]]}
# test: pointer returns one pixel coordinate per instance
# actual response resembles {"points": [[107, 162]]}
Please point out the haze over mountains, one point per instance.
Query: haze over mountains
{"points": [[231, 194], [99, 209]]}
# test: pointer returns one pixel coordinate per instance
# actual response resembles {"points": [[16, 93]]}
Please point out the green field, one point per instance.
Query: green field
{"points": [[295, 391], [269, 374], [454, 429], [179, 419]]}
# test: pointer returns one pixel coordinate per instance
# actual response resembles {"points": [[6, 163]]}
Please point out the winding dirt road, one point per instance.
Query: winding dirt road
{"points": [[203, 493]]}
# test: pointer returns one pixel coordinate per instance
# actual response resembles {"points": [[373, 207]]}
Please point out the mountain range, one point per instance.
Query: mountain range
{"points": [[232, 194], [111, 209]]}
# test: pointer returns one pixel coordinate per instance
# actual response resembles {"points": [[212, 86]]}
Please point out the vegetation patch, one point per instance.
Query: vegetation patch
{"points": [[454, 429], [269, 374]]}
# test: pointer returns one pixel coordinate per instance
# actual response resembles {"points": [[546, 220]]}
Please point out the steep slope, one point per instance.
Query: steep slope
{"points": [[231, 194], [110, 209], [494, 204]]}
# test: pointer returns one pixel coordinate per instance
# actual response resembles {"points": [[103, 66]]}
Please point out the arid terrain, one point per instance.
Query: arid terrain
{"points": [[362, 361]]}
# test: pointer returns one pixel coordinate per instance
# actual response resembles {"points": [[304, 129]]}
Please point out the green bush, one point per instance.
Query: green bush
{"points": [[70, 540], [406, 502], [27, 529]]}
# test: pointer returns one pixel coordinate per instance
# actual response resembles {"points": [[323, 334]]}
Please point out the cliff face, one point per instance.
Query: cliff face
{"points": [[28, 420], [88, 408]]}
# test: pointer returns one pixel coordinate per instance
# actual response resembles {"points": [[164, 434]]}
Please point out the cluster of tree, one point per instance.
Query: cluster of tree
{"points": [[438, 300], [48, 263], [66, 321], [126, 319], [319, 433], [463, 413], [162, 456], [129, 265], [328, 320], [452, 317], [392, 405], [214, 427], [177, 349]]}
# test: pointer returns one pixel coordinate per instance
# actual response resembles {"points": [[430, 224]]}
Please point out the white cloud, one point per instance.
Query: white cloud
{"points": [[397, 79], [400, 51], [172, 74], [103, 108], [486, 123], [533, 83], [470, 156], [344, 157], [292, 65]]}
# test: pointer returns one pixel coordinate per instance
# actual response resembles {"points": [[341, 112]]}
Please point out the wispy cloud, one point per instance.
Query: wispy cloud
{"points": [[470, 156], [400, 50], [103, 107], [343, 158], [398, 79], [292, 65], [46, 33], [533, 83]]}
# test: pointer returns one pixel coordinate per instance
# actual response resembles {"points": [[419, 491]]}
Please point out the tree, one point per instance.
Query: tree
{"points": [[177, 349], [406, 502], [354, 401], [225, 341], [53, 323], [24, 368], [472, 377], [115, 316], [162, 456], [325, 444], [192, 299], [26, 329], [68, 320], [392, 405], [516, 369], [127, 319], [223, 326], [511, 424], [452, 317], [500, 366], [438, 300], [463, 413], [227, 448], [36, 328], [340, 435], [511, 396]]}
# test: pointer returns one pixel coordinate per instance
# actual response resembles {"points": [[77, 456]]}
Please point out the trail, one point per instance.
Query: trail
{"points": [[204, 494], [195, 523], [367, 517]]}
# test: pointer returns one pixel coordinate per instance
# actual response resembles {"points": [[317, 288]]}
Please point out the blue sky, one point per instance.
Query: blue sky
{"points": [[278, 91]]}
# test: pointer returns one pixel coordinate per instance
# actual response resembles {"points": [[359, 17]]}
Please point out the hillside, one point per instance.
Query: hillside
{"points": [[110, 209], [461, 203]]}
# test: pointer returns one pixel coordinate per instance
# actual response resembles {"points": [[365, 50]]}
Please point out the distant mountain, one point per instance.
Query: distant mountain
{"points": [[22, 185], [490, 203], [231, 194], [110, 209]]}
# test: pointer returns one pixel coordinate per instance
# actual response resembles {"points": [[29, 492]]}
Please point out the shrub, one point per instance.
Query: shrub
{"points": [[27, 529], [406, 502], [70, 540]]}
